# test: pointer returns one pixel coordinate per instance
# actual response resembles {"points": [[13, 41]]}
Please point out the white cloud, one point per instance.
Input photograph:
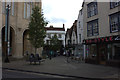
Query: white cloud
{"points": [[58, 12]]}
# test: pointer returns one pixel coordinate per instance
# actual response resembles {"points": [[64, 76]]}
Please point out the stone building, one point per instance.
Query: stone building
{"points": [[18, 21], [101, 21]]}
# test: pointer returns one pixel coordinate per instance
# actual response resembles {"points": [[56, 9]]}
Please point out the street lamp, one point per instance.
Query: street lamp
{"points": [[7, 34]]}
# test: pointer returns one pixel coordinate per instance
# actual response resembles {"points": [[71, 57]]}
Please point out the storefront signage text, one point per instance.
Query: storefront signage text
{"points": [[98, 40], [117, 38]]}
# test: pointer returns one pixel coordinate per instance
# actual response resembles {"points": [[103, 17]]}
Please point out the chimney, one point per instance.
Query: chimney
{"points": [[51, 26], [63, 25]]}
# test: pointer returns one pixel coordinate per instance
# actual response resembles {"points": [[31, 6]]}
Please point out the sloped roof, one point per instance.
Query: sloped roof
{"points": [[75, 27], [69, 31]]}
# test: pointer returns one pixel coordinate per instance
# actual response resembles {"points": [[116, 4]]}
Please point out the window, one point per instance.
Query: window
{"points": [[31, 7], [92, 28], [28, 10], [47, 42], [12, 8], [59, 36], [80, 38], [89, 31], [79, 24], [73, 41], [3, 7], [24, 10], [92, 9], [114, 3], [95, 28], [115, 22], [49, 35], [69, 42]]}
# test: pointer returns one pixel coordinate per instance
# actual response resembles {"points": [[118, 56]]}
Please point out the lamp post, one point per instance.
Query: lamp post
{"points": [[7, 34]]}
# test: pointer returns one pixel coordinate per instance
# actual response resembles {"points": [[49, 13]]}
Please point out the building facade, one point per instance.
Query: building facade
{"points": [[80, 34], [74, 33], [101, 21], [18, 21], [51, 31], [71, 38]]}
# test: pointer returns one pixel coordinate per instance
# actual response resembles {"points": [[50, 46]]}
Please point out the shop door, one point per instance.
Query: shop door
{"points": [[102, 54], [117, 53]]}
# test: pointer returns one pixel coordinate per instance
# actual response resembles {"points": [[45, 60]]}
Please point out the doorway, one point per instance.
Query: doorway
{"points": [[12, 42], [102, 53]]}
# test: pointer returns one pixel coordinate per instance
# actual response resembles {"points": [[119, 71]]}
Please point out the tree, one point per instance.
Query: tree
{"points": [[37, 31], [55, 43]]}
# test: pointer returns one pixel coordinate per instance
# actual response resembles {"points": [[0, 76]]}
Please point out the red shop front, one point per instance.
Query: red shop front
{"points": [[101, 50]]}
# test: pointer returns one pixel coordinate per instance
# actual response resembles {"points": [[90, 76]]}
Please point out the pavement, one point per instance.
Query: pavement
{"points": [[59, 66]]}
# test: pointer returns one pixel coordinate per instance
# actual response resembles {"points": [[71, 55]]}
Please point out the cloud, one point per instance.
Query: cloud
{"points": [[58, 12], [57, 20]]}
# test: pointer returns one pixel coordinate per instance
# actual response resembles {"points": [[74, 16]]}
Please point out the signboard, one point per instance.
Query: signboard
{"points": [[102, 40], [117, 38]]}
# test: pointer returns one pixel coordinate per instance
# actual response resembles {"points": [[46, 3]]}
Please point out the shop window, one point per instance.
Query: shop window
{"points": [[117, 52], [93, 51], [109, 50]]}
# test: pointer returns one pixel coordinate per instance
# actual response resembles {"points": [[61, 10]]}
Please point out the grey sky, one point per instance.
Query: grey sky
{"points": [[58, 12]]}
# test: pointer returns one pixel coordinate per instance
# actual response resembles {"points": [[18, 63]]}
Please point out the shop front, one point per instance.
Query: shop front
{"points": [[103, 50]]}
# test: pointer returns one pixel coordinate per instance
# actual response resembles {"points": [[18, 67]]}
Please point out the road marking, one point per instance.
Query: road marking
{"points": [[55, 76]]}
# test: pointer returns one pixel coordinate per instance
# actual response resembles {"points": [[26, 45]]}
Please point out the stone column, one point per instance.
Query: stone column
{"points": [[19, 44], [0, 30], [19, 31], [0, 40]]}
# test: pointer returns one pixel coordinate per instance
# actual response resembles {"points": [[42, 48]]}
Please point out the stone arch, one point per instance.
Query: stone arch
{"points": [[27, 47], [12, 41]]}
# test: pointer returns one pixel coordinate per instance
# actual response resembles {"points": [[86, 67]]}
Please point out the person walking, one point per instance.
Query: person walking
{"points": [[50, 55]]}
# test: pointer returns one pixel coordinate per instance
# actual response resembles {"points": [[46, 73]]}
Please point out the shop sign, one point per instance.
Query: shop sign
{"points": [[117, 38], [99, 40]]}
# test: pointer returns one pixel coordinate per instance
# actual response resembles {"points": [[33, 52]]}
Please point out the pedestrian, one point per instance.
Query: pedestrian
{"points": [[68, 53], [27, 56], [50, 55]]}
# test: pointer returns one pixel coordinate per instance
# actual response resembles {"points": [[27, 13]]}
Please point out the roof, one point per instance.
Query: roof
{"points": [[55, 28], [75, 27]]}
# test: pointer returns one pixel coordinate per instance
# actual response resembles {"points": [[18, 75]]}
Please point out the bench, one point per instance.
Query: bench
{"points": [[35, 59]]}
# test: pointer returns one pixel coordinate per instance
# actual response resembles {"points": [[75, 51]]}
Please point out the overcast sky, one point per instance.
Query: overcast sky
{"points": [[58, 12]]}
